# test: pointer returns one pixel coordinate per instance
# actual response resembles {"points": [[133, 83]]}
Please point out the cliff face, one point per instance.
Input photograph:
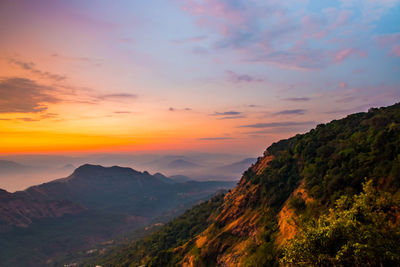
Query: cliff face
{"points": [[236, 230], [20, 210]]}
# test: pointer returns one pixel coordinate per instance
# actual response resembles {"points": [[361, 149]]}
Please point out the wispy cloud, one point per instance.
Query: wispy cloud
{"points": [[278, 124], [21, 95], [232, 117], [273, 33], [93, 61], [390, 41], [31, 67], [227, 113], [120, 96], [242, 78], [298, 99], [122, 112], [172, 109], [214, 138], [291, 112]]}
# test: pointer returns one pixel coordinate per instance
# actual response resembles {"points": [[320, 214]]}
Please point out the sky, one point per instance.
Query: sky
{"points": [[233, 76]]}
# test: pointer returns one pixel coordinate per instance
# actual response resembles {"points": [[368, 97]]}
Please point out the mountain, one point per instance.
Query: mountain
{"points": [[180, 178], [47, 223], [11, 167], [182, 164], [330, 197], [238, 167]]}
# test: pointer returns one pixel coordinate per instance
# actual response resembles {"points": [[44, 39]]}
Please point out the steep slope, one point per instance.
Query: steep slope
{"points": [[296, 181]]}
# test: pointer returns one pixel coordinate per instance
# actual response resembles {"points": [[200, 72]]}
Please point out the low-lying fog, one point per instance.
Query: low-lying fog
{"points": [[17, 172]]}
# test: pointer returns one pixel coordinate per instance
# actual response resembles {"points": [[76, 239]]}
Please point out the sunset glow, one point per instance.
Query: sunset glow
{"points": [[210, 75]]}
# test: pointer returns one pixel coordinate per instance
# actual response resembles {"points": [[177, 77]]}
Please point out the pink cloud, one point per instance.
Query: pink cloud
{"points": [[396, 50], [345, 53], [390, 41], [268, 31]]}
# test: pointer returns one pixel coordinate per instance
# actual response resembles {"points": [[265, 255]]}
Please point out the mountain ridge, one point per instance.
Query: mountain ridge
{"points": [[295, 182]]}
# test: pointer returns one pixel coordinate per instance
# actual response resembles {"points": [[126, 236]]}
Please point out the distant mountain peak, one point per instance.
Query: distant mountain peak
{"points": [[181, 163], [89, 169]]}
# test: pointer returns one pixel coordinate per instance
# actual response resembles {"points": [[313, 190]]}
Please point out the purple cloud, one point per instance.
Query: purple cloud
{"points": [[269, 32], [278, 124], [291, 112], [242, 78], [298, 99], [227, 113], [31, 67]]}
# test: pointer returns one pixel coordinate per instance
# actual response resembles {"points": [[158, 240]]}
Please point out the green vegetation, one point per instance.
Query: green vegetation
{"points": [[297, 203], [362, 230], [157, 249]]}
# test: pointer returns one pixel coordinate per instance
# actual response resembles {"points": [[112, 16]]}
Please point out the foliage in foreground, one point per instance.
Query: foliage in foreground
{"points": [[360, 231]]}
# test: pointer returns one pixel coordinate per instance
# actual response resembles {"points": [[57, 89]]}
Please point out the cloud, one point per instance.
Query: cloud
{"points": [[172, 109], [298, 99], [278, 124], [276, 130], [343, 54], [232, 118], [241, 78], [227, 113], [391, 41], [291, 112], [31, 67], [21, 95], [122, 112], [27, 119], [92, 61], [214, 138], [371, 10], [119, 96], [275, 32]]}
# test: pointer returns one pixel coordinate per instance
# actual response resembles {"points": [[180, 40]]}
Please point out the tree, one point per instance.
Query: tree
{"points": [[363, 230]]}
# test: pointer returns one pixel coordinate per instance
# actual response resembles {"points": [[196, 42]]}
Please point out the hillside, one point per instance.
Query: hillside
{"points": [[48, 223], [20, 209], [303, 203]]}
